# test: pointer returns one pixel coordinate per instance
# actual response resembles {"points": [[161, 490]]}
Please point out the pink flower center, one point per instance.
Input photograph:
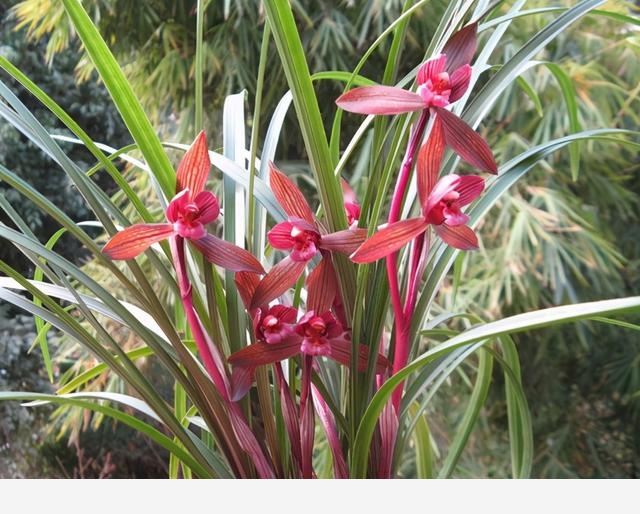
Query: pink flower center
{"points": [[273, 330], [315, 340], [353, 212], [445, 209], [188, 223], [435, 91], [305, 244]]}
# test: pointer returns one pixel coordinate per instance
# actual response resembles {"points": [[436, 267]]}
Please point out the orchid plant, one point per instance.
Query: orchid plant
{"points": [[293, 322]]}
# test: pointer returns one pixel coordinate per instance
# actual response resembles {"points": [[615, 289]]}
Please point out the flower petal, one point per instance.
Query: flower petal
{"points": [[430, 160], [227, 255], [208, 205], [280, 278], [177, 205], [321, 286], [341, 352], [389, 239], [461, 47], [280, 236], [380, 100], [460, 237], [284, 313], [194, 167], [445, 185], [469, 187], [246, 282], [466, 142], [460, 82], [241, 381], [431, 69], [289, 196], [344, 241], [259, 354], [134, 240]]}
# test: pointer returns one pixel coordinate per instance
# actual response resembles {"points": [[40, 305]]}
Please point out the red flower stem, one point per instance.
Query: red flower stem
{"points": [[214, 365], [401, 350], [418, 262], [208, 352], [306, 418]]}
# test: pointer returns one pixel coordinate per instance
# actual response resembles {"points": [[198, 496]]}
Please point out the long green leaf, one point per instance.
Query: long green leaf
{"points": [[123, 96], [510, 325]]}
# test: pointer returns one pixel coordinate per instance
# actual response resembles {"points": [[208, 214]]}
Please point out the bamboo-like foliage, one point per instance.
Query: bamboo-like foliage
{"points": [[214, 331]]}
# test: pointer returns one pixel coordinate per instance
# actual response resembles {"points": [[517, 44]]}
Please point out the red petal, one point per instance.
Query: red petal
{"points": [[460, 237], [380, 100], [280, 236], [241, 381], [341, 352], [467, 143], [459, 82], [259, 354], [431, 68], [430, 160], [227, 255], [347, 193], [344, 241], [461, 47], [134, 240], [208, 205], [469, 187], [289, 196], [389, 239], [177, 205], [280, 278], [194, 167], [284, 313], [321, 286], [246, 282]]}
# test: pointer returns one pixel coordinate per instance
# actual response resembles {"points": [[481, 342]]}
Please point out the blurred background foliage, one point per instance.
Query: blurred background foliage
{"points": [[551, 240]]}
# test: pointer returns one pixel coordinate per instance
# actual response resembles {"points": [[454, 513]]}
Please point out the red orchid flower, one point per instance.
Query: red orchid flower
{"points": [[304, 238], [313, 335], [190, 210], [441, 203], [351, 205], [441, 81]]}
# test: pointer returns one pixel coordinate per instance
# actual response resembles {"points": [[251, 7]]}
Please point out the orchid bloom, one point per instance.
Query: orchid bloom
{"points": [[351, 205], [441, 81], [304, 238], [313, 335], [279, 336], [441, 203], [190, 210]]}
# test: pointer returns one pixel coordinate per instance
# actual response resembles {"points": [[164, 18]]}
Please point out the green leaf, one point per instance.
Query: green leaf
{"points": [[123, 96], [569, 95], [292, 56], [154, 434], [513, 324], [478, 397], [531, 93]]}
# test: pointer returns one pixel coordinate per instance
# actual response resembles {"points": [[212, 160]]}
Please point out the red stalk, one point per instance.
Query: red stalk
{"points": [[214, 365], [401, 350]]}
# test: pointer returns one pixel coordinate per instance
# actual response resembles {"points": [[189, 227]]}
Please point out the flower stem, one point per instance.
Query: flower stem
{"points": [[402, 323]]}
